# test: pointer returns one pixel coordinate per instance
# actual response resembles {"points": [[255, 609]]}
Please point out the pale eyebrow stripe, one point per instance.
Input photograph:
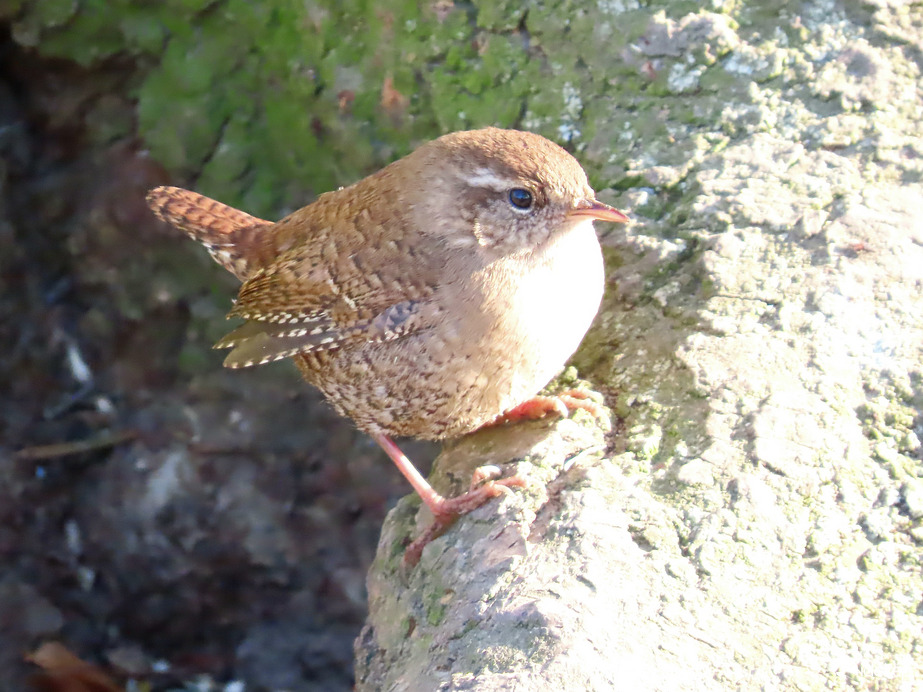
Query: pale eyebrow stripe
{"points": [[484, 177]]}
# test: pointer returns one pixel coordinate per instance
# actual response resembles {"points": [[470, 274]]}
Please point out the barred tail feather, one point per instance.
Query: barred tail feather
{"points": [[223, 230]]}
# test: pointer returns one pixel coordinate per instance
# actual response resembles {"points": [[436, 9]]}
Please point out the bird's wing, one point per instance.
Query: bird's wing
{"points": [[256, 343], [331, 288]]}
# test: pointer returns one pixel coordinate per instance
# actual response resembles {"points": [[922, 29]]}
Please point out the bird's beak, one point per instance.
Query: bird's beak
{"points": [[599, 211]]}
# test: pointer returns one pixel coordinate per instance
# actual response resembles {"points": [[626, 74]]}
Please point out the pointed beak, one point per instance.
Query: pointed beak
{"points": [[599, 211]]}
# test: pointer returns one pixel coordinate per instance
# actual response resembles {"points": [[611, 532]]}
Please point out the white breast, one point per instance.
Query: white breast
{"points": [[550, 308]]}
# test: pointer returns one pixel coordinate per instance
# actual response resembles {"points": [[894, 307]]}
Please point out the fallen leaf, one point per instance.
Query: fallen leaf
{"points": [[62, 671]]}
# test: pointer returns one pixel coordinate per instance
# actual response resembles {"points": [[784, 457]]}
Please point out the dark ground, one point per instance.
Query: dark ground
{"points": [[153, 506]]}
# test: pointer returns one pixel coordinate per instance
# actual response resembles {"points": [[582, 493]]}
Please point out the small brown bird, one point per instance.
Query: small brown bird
{"points": [[427, 299]]}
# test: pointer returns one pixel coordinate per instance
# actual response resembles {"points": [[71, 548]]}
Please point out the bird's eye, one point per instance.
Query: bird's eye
{"points": [[520, 198]]}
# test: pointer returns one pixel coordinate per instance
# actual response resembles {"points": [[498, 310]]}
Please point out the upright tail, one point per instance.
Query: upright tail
{"points": [[227, 233]]}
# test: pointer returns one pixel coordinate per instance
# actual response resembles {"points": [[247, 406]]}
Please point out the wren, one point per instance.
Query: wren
{"points": [[425, 300]]}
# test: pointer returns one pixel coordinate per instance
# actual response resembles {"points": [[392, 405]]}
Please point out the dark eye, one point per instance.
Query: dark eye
{"points": [[520, 198]]}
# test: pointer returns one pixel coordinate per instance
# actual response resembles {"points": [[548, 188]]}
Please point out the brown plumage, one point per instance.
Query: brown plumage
{"points": [[426, 299]]}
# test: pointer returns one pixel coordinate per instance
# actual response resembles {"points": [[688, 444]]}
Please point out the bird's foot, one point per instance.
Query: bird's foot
{"points": [[561, 405], [485, 485]]}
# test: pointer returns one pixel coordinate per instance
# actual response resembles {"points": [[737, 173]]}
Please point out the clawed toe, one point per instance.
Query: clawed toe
{"points": [[574, 399], [484, 486], [560, 405], [484, 473]]}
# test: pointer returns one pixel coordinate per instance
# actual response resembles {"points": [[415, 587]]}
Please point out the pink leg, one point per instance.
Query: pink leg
{"points": [[445, 510]]}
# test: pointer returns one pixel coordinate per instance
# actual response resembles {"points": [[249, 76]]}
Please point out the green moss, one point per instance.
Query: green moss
{"points": [[435, 614], [890, 421], [505, 15], [267, 104], [435, 604]]}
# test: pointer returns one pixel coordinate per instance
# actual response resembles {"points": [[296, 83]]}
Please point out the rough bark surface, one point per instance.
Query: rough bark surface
{"points": [[755, 522]]}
